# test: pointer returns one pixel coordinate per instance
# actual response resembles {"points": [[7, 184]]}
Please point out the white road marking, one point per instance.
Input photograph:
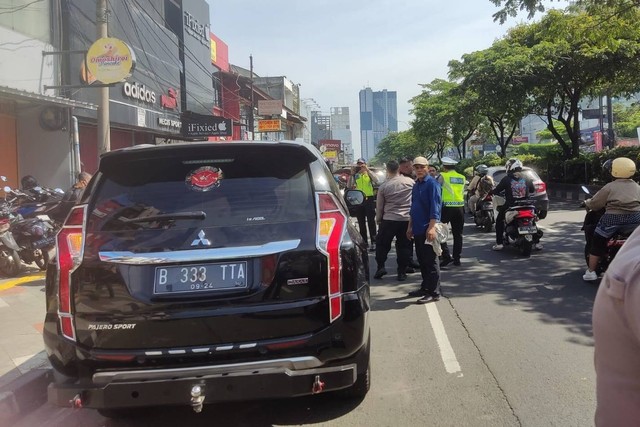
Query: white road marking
{"points": [[3, 303], [451, 364]]}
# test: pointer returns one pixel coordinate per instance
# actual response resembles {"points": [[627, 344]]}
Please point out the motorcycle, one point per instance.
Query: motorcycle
{"points": [[9, 257], [589, 226], [520, 228], [483, 215]]}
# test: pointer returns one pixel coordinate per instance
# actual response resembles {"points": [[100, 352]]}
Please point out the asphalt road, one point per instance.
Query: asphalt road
{"points": [[510, 345]]}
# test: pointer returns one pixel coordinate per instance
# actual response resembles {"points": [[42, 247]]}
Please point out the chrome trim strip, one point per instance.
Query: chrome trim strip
{"points": [[245, 346], [212, 254], [200, 350], [224, 347], [249, 368], [153, 353]]}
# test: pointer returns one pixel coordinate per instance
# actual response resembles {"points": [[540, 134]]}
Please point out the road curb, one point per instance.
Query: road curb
{"points": [[24, 394], [8, 284]]}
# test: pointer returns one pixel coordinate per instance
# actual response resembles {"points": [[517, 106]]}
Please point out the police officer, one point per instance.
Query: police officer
{"points": [[364, 180], [452, 208]]}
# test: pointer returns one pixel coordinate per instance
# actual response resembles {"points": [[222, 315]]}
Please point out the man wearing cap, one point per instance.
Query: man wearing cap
{"points": [[424, 215], [452, 209], [363, 179]]}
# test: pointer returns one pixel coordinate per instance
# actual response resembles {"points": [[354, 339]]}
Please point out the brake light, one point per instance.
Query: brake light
{"points": [[331, 225], [541, 187], [69, 245]]}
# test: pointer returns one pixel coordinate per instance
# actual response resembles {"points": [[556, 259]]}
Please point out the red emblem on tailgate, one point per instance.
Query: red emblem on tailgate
{"points": [[204, 178]]}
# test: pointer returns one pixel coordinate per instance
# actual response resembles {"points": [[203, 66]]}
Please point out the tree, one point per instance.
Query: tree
{"points": [[570, 57], [491, 76], [433, 110], [396, 145], [626, 120], [510, 8]]}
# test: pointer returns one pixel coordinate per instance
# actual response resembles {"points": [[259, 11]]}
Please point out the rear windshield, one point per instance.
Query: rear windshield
{"points": [[231, 191], [527, 173]]}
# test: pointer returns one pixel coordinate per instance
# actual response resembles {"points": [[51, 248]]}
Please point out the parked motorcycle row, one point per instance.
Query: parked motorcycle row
{"points": [[27, 231]]}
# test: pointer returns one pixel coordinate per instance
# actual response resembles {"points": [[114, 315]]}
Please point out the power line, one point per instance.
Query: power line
{"points": [[18, 8]]}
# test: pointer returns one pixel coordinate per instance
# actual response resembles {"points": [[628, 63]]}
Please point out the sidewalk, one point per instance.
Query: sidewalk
{"points": [[23, 362]]}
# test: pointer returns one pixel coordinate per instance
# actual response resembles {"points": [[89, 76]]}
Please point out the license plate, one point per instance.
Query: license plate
{"points": [[527, 230], [49, 241], [200, 277]]}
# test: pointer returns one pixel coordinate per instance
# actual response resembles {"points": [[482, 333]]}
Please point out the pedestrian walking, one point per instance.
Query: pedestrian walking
{"points": [[452, 209], [424, 215], [393, 204], [616, 333], [406, 169], [364, 180]]}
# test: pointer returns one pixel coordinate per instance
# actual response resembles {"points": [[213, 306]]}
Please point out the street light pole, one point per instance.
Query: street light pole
{"points": [[104, 132]]}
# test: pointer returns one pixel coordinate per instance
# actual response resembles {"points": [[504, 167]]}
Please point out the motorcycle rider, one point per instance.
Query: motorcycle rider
{"points": [[621, 200], [516, 187], [479, 187]]}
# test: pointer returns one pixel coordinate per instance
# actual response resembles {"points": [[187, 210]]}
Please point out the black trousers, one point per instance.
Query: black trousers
{"points": [[387, 231], [429, 266], [502, 210], [366, 215], [455, 216]]}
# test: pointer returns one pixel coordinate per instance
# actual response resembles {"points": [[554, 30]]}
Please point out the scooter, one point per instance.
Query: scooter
{"points": [[484, 216], [589, 226], [521, 230], [9, 258]]}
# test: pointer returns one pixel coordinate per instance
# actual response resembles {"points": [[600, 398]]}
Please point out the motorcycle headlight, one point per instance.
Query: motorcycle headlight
{"points": [[37, 230]]}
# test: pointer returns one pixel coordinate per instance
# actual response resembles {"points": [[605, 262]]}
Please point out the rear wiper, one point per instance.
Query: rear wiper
{"points": [[178, 215]]}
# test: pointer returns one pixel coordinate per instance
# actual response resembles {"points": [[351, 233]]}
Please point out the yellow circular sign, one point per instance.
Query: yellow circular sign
{"points": [[110, 60]]}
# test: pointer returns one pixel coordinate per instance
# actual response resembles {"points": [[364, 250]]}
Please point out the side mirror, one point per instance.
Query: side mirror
{"points": [[354, 197], [58, 190], [3, 178], [585, 189]]}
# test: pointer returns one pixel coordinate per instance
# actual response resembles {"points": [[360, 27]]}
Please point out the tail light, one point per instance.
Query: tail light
{"points": [[541, 187], [331, 226], [70, 244]]}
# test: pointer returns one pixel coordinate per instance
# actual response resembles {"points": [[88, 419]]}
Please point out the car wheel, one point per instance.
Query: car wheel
{"points": [[542, 214]]}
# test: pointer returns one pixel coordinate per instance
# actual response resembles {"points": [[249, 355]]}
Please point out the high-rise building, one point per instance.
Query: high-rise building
{"points": [[341, 130], [378, 117], [320, 126]]}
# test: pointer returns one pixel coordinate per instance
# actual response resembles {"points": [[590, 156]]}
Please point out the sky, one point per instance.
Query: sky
{"points": [[335, 48]]}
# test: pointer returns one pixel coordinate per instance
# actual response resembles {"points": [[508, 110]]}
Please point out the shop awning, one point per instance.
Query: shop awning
{"points": [[59, 101]]}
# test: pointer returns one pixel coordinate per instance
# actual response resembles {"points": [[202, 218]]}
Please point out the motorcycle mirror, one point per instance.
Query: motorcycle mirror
{"points": [[585, 189], [59, 190], [38, 189], [7, 189], [3, 178]]}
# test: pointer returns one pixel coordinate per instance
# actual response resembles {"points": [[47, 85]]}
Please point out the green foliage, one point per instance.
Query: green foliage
{"points": [[539, 150], [627, 120], [397, 145]]}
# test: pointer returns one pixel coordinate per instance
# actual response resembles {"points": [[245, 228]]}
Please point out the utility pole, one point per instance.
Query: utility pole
{"points": [[251, 118], [610, 134], [104, 132]]}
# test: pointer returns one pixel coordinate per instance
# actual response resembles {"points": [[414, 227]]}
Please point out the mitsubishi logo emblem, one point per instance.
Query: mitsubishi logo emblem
{"points": [[201, 240]]}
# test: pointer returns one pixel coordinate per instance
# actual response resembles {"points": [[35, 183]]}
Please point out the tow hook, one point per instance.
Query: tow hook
{"points": [[318, 386], [76, 402], [197, 398]]}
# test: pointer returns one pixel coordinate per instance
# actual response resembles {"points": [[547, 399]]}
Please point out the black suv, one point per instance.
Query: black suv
{"points": [[203, 272]]}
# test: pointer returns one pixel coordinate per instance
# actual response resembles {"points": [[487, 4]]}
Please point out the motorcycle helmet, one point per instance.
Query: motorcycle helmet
{"points": [[513, 165], [28, 182], [623, 167], [482, 170]]}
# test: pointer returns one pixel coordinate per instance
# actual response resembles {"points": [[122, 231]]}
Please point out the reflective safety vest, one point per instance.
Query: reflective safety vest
{"points": [[363, 183], [452, 189]]}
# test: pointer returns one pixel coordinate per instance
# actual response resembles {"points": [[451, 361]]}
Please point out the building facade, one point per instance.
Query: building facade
{"points": [[341, 130], [378, 117], [320, 127]]}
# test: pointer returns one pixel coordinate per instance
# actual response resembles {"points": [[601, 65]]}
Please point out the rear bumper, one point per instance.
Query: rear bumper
{"points": [[279, 378]]}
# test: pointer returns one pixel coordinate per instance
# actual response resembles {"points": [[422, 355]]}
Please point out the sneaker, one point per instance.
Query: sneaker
{"points": [[456, 262], [379, 273], [417, 293], [497, 247], [537, 246], [589, 276], [402, 277], [427, 299], [445, 262]]}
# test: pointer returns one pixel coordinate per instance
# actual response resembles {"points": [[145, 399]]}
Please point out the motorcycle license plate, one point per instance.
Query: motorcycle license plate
{"points": [[528, 230], [49, 241]]}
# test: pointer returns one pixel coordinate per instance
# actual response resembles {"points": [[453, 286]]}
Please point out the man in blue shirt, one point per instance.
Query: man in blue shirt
{"points": [[426, 202]]}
